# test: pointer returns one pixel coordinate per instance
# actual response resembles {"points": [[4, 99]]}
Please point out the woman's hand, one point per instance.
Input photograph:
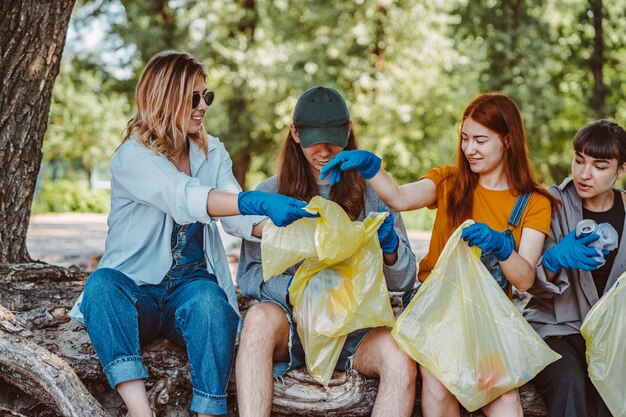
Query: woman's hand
{"points": [[572, 252], [488, 240], [387, 236], [281, 209], [365, 162]]}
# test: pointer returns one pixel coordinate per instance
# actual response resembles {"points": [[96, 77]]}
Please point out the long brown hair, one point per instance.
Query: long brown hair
{"points": [[164, 92], [499, 113], [295, 178]]}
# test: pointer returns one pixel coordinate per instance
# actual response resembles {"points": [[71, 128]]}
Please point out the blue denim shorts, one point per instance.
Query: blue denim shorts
{"points": [[296, 351]]}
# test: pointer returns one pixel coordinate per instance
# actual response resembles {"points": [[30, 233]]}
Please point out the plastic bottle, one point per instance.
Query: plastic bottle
{"points": [[607, 241]]}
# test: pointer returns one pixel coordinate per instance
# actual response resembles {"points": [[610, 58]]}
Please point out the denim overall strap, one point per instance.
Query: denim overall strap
{"points": [[518, 209], [489, 259]]}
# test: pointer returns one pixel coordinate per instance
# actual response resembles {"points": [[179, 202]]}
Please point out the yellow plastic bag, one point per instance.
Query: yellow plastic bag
{"points": [[340, 286], [282, 247], [467, 333], [604, 330]]}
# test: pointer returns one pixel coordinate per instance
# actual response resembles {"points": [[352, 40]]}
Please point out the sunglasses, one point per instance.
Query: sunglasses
{"points": [[208, 97]]}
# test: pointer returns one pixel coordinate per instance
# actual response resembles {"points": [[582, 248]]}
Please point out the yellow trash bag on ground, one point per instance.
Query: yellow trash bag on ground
{"points": [[462, 327], [340, 286], [604, 330]]}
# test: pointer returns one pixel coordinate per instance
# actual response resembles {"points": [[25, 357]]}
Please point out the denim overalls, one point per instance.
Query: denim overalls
{"points": [[188, 307]]}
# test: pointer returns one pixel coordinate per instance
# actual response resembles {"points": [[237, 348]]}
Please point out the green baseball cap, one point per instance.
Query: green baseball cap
{"points": [[321, 116]]}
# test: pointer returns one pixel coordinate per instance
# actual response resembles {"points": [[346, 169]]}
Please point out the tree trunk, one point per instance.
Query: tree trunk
{"points": [[241, 163], [597, 58], [237, 107], [379, 43], [32, 35]]}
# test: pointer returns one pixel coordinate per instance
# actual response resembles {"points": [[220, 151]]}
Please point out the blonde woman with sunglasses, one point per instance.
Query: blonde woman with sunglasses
{"points": [[164, 271]]}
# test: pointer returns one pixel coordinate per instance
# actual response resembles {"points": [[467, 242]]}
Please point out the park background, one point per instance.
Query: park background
{"points": [[406, 68]]}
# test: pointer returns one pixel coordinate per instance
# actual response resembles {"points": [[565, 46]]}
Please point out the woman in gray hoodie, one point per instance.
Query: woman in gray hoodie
{"points": [[570, 275]]}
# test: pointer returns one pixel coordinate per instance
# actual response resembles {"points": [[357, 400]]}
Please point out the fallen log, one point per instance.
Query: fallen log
{"points": [[35, 284], [35, 370], [47, 332], [169, 386]]}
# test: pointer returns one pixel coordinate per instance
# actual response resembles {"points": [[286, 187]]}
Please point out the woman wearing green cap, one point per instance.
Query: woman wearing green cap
{"points": [[321, 129]]}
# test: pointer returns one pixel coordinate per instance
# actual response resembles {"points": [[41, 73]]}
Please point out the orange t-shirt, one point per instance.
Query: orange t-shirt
{"points": [[490, 207]]}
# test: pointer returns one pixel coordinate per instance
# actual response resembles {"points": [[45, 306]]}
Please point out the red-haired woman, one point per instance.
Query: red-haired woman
{"points": [[321, 129], [492, 170]]}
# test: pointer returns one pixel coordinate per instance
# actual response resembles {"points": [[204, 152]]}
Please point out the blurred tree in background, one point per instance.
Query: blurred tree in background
{"points": [[85, 122], [406, 68]]}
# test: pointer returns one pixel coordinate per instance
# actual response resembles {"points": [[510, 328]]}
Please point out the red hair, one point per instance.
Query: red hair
{"points": [[295, 178], [499, 113]]}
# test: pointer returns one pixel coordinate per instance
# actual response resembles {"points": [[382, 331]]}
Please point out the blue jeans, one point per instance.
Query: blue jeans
{"points": [[187, 308]]}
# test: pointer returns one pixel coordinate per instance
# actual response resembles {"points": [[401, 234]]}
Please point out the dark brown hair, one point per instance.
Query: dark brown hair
{"points": [[295, 178], [499, 113], [602, 140]]}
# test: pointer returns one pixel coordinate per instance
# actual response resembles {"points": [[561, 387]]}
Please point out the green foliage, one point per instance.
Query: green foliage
{"points": [[406, 68], [85, 124], [70, 196], [543, 54], [422, 219]]}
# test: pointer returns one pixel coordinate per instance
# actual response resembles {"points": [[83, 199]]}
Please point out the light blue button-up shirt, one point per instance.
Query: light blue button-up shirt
{"points": [[148, 194]]}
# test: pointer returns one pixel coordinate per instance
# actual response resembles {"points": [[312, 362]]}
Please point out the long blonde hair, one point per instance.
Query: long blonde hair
{"points": [[163, 93]]}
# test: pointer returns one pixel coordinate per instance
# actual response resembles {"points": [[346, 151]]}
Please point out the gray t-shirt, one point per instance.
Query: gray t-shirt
{"points": [[399, 276]]}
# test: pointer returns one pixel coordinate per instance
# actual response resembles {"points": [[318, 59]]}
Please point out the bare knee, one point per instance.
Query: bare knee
{"points": [[434, 389], [265, 325], [510, 400], [511, 397], [379, 356], [397, 364]]}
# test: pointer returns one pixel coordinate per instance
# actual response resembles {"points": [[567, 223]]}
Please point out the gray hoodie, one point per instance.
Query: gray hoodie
{"points": [[558, 307], [399, 276]]}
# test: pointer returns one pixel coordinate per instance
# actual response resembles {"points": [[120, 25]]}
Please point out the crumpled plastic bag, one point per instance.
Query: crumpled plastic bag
{"points": [[604, 330], [467, 333], [339, 288]]}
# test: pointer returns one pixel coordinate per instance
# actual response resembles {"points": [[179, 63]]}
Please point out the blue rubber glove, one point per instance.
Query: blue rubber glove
{"points": [[281, 209], [571, 252], [387, 236], [365, 162], [488, 240]]}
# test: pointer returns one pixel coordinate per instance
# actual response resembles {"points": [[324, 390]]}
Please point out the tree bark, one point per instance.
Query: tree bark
{"points": [[45, 376], [241, 163], [597, 58], [32, 35], [31, 285]]}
